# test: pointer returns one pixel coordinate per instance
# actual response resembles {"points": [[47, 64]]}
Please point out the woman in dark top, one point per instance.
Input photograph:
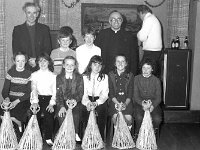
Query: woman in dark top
{"points": [[147, 87]]}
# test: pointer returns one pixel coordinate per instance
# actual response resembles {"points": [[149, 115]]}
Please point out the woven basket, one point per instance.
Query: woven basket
{"points": [[8, 138], [92, 139], [146, 139]]}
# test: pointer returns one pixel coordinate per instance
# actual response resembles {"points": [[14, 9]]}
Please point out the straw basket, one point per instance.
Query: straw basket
{"points": [[8, 138], [31, 138], [122, 138], [65, 139], [146, 138], [92, 139]]}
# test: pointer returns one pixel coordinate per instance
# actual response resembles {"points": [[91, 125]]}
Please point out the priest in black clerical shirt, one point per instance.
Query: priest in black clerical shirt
{"points": [[114, 41]]}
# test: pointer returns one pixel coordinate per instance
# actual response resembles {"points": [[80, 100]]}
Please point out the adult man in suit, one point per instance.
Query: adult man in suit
{"points": [[116, 40], [31, 37]]}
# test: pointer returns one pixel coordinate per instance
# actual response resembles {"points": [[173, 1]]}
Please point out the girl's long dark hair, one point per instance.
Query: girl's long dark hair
{"points": [[48, 58], [88, 70]]}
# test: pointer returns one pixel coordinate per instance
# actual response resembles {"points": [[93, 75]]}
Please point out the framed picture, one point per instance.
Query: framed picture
{"points": [[96, 15]]}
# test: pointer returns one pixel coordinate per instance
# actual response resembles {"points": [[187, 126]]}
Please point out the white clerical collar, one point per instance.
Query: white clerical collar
{"points": [[115, 30]]}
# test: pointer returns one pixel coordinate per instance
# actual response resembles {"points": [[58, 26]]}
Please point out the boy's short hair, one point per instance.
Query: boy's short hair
{"points": [[63, 34], [20, 53], [64, 29], [88, 30], [31, 4], [149, 62], [143, 9]]}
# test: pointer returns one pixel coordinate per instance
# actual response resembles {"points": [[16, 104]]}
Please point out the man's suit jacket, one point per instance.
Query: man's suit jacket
{"points": [[21, 39]]}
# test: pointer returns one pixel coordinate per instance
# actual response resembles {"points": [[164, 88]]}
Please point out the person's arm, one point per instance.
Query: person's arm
{"points": [[59, 93], [85, 99], [34, 93], [130, 90], [98, 40], [6, 87], [53, 98], [79, 89], [47, 41], [136, 92], [157, 86], [105, 90], [15, 41], [112, 89], [146, 28]]}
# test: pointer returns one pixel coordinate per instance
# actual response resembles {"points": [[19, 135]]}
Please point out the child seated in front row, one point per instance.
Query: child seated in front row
{"points": [[96, 91], [57, 55], [44, 94], [147, 87], [17, 88], [69, 86], [121, 90]]}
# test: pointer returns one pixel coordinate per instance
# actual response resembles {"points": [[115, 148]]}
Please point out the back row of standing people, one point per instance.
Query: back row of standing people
{"points": [[33, 38]]}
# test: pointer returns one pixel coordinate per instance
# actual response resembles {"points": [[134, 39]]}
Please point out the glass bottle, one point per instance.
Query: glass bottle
{"points": [[173, 44], [186, 42], [177, 42]]}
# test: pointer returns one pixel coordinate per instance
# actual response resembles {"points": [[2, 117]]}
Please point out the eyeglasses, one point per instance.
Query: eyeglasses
{"points": [[116, 19]]}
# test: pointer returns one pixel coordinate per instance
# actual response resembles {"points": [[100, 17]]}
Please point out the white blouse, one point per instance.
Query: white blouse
{"points": [[43, 83], [96, 88]]}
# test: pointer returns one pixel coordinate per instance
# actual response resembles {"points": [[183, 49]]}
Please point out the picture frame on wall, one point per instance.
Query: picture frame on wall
{"points": [[96, 15]]}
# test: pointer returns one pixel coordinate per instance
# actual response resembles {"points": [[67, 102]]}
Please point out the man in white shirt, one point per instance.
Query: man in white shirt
{"points": [[150, 35]]}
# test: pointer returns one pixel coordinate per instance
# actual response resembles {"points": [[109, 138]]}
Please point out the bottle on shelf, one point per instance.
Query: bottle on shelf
{"points": [[186, 42], [177, 43], [173, 44]]}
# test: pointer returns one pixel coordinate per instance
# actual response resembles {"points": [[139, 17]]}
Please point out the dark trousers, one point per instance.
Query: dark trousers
{"points": [[48, 118], [155, 57], [156, 116]]}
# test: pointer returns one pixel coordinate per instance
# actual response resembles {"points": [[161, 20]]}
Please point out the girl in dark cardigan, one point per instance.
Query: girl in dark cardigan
{"points": [[147, 87], [69, 85], [121, 89]]}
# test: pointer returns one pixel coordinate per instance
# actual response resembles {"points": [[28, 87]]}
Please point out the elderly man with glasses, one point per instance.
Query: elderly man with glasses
{"points": [[116, 40]]}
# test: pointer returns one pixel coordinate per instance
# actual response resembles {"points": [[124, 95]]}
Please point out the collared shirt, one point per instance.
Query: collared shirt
{"points": [[84, 54], [43, 83], [150, 33], [95, 87]]}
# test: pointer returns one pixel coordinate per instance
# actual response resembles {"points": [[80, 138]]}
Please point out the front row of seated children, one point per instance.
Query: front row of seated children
{"points": [[106, 91]]}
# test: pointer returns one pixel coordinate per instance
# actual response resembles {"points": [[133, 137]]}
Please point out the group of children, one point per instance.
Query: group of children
{"points": [[67, 75]]}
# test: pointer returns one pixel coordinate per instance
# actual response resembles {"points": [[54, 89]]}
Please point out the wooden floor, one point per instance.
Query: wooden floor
{"points": [[173, 136]]}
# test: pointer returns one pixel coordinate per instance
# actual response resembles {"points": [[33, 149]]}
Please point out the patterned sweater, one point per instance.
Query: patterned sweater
{"points": [[17, 85], [58, 55]]}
